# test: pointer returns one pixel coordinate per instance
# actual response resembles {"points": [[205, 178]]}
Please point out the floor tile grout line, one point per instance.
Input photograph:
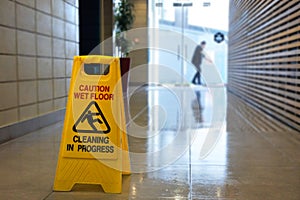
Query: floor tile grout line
{"points": [[46, 197]]}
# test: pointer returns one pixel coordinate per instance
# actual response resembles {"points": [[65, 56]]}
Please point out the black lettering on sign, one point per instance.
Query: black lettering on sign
{"points": [[90, 139], [70, 147], [95, 148]]}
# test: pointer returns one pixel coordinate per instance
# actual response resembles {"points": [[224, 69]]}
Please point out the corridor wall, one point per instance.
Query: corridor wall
{"points": [[38, 41], [264, 56]]}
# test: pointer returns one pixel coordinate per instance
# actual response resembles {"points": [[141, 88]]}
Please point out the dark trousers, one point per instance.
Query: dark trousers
{"points": [[197, 78]]}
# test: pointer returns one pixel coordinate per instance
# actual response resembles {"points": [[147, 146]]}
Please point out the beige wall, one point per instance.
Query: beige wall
{"points": [[38, 41]]}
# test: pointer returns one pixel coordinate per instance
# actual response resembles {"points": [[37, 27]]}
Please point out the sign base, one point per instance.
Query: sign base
{"points": [[71, 172]]}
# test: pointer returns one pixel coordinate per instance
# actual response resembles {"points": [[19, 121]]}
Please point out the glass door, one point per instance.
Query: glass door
{"points": [[180, 25], [169, 21]]}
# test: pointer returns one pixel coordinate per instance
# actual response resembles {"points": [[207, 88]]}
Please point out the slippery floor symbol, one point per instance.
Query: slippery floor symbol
{"points": [[94, 119]]}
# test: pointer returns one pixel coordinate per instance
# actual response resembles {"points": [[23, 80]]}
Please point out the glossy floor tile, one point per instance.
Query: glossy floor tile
{"points": [[185, 142]]}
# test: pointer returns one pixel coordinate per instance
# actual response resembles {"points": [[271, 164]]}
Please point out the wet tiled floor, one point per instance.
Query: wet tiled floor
{"points": [[184, 142]]}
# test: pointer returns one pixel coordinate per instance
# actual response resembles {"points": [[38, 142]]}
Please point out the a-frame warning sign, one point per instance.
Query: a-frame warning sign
{"points": [[94, 145], [92, 120]]}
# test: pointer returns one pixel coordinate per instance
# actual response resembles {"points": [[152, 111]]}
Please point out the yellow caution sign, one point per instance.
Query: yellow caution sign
{"points": [[94, 147]]}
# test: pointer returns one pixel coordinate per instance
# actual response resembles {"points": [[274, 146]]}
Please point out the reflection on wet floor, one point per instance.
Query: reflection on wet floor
{"points": [[179, 121], [185, 143]]}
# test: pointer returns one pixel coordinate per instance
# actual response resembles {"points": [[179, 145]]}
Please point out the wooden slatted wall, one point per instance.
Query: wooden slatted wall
{"points": [[264, 56]]}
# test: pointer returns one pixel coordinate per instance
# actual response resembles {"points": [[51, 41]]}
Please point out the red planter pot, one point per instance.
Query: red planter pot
{"points": [[125, 67]]}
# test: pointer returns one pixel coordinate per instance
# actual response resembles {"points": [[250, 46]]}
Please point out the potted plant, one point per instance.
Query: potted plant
{"points": [[123, 21]]}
